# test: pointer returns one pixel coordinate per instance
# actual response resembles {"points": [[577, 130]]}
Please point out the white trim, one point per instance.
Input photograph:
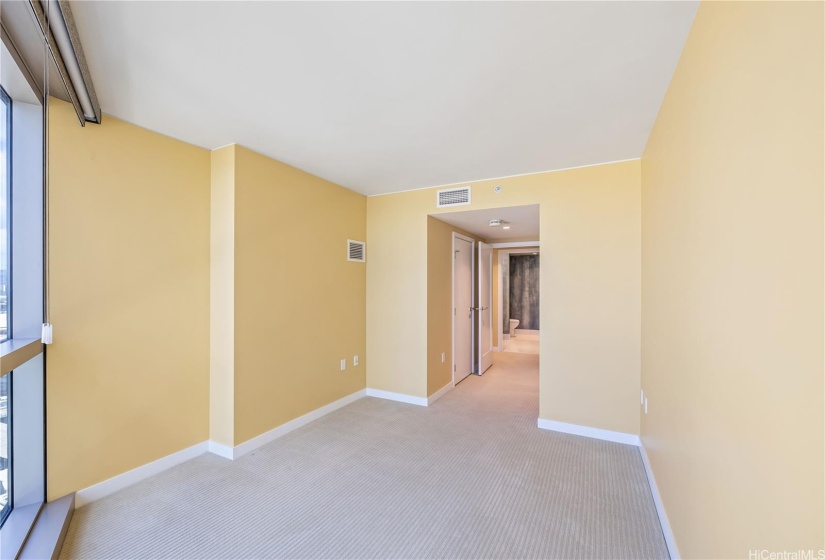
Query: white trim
{"points": [[508, 176], [479, 307], [399, 397], [292, 425], [220, 449], [586, 431], [515, 244], [121, 481], [660, 506], [528, 332], [629, 439], [440, 393]]}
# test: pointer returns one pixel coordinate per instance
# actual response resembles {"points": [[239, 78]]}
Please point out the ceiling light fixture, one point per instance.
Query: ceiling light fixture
{"points": [[505, 227], [496, 223]]}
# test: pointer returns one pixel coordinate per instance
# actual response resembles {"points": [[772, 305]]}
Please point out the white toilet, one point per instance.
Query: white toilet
{"points": [[513, 325]]}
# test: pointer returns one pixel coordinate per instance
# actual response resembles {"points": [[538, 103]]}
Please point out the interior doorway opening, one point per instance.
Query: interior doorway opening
{"points": [[485, 294], [519, 301]]}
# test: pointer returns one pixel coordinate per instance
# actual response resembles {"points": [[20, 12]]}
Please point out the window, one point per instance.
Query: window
{"points": [[22, 391], [5, 300], [5, 216], [5, 447]]}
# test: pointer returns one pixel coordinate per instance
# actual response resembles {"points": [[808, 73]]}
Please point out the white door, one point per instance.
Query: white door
{"points": [[463, 308], [485, 307]]}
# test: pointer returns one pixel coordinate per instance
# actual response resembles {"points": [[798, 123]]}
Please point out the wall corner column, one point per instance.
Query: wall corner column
{"points": [[222, 298]]}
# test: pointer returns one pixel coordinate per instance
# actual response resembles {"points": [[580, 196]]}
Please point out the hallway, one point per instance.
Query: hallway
{"points": [[470, 476], [522, 344]]}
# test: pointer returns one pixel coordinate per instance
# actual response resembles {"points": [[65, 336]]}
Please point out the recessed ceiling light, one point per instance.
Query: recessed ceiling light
{"points": [[535, 253]]}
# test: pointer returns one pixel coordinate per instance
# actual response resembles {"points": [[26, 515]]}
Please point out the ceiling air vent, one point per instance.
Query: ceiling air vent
{"points": [[356, 251], [453, 197]]}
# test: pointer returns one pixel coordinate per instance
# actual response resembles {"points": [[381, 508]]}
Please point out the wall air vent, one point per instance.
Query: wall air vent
{"points": [[356, 251], [453, 197]]}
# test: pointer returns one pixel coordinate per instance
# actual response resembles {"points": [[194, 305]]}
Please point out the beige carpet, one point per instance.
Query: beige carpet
{"points": [[469, 477]]}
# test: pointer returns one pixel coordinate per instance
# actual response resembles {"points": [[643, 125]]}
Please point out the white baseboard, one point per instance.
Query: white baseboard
{"points": [[283, 429], [586, 431], [112, 485], [121, 481], [527, 331], [629, 439], [440, 393], [220, 449], [399, 397], [660, 506]]}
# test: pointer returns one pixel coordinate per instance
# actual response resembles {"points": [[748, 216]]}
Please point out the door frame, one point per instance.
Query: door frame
{"points": [[472, 242], [479, 307], [505, 250]]}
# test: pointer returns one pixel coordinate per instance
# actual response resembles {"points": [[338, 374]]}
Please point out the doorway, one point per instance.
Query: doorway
{"points": [[464, 314], [519, 298]]}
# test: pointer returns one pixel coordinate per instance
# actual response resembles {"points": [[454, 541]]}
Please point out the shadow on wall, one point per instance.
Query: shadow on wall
{"points": [[524, 291]]}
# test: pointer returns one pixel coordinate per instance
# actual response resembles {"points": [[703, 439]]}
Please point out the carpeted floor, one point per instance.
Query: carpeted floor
{"points": [[469, 477], [522, 343]]}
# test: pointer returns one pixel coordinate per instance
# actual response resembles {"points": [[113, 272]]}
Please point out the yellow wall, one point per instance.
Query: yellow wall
{"points": [[299, 304], [590, 343], [129, 367], [440, 302], [733, 279]]}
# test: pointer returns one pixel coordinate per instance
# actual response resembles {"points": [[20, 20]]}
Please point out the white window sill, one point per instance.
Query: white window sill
{"points": [[16, 352]]}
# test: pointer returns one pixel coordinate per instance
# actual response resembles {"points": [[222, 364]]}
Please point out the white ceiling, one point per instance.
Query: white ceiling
{"points": [[388, 96], [523, 222], [13, 81]]}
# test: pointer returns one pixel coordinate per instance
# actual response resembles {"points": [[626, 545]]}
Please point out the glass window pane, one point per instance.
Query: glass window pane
{"points": [[5, 447], [5, 210]]}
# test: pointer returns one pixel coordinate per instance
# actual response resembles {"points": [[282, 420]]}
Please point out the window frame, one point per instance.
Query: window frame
{"points": [[6, 100], [7, 509]]}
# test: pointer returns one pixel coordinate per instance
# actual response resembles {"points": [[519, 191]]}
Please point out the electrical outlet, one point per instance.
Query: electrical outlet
{"points": [[443, 357], [343, 364], [645, 405], [355, 361]]}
